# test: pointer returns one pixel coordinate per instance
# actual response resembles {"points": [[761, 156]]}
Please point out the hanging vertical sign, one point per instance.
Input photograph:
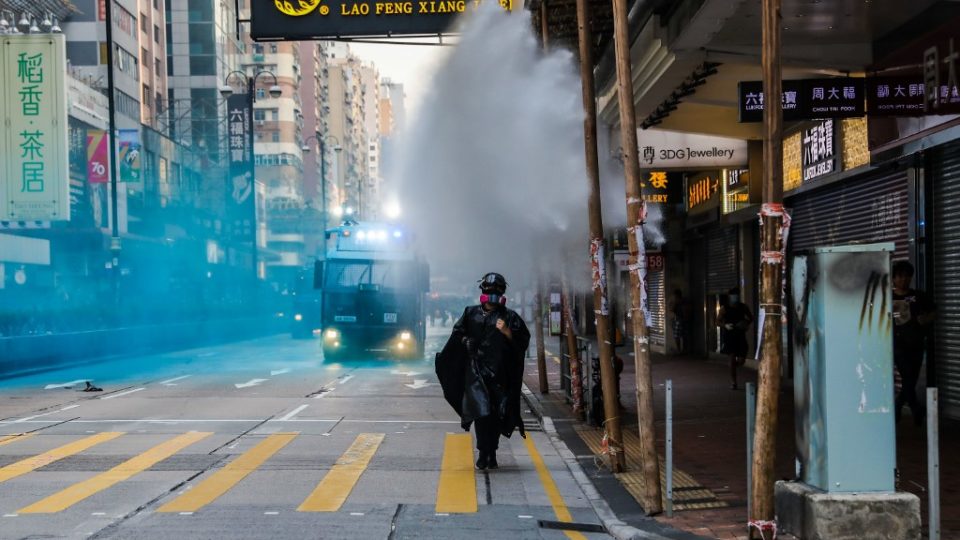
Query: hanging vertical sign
{"points": [[97, 157], [241, 210], [819, 145], [34, 179]]}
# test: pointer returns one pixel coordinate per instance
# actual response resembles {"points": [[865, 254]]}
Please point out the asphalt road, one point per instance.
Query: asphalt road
{"points": [[263, 439]]}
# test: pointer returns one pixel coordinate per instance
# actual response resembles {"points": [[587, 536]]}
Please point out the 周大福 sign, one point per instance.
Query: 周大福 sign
{"points": [[320, 19], [807, 99], [34, 173], [664, 149]]}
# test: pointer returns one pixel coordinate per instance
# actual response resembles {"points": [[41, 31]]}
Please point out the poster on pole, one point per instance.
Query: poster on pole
{"points": [[34, 179], [241, 197], [97, 157], [129, 154]]}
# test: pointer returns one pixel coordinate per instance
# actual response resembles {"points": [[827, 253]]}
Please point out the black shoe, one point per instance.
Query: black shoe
{"points": [[482, 462], [492, 461]]}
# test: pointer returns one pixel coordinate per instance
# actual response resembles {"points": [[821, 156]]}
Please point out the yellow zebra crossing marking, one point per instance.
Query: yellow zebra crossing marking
{"points": [[7, 439], [33, 463], [336, 486], [553, 494], [80, 491], [457, 490], [223, 480]]}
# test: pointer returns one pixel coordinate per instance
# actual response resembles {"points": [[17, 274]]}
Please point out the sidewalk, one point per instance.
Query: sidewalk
{"points": [[709, 435]]}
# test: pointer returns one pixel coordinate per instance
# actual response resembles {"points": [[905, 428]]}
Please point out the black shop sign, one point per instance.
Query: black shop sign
{"points": [[807, 99], [819, 146]]}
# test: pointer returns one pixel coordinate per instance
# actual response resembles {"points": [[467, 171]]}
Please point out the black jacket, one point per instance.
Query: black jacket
{"points": [[481, 371]]}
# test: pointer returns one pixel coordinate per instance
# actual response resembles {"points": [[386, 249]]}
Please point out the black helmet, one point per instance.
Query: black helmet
{"points": [[493, 282]]}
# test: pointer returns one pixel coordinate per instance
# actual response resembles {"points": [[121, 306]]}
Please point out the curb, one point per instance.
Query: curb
{"points": [[615, 527]]}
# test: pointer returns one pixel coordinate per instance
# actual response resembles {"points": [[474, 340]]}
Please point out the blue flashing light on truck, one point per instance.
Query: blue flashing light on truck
{"points": [[372, 292]]}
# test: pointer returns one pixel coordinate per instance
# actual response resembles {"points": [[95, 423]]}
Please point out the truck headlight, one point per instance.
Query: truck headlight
{"points": [[331, 334], [405, 336], [298, 317]]}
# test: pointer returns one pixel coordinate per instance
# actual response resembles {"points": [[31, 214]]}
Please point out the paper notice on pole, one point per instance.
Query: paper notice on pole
{"points": [[761, 318]]}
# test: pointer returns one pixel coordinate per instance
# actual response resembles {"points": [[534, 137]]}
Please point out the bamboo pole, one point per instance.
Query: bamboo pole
{"points": [[636, 211], [613, 435], [771, 271], [569, 327], [541, 351]]}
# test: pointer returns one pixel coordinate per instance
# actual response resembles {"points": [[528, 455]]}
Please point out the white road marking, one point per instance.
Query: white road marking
{"points": [[321, 394], [251, 382], [271, 513], [356, 513], [418, 384], [444, 514], [345, 379], [404, 373], [111, 396], [98, 514], [523, 516], [280, 371], [291, 414], [170, 382], [28, 418], [64, 385], [186, 513], [10, 515]]}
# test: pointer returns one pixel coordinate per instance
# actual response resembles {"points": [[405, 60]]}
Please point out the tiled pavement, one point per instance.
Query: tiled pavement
{"points": [[710, 441]]}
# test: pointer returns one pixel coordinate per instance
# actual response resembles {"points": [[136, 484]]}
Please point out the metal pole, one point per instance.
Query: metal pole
{"points": [[636, 211], [323, 190], [251, 98], [669, 443], [112, 133], [601, 309], [541, 350], [933, 463], [771, 270], [751, 419]]}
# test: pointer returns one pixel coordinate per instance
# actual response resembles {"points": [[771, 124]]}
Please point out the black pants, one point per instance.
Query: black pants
{"points": [[908, 363], [487, 430]]}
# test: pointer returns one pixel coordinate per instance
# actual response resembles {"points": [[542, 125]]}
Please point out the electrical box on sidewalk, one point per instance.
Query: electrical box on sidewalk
{"points": [[842, 339]]}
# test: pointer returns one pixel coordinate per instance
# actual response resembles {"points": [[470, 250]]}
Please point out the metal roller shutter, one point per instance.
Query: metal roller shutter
{"points": [[862, 211], [656, 299], [722, 274], [945, 176]]}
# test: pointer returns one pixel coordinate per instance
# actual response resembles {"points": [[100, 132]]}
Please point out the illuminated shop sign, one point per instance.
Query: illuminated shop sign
{"points": [[807, 99], [322, 19]]}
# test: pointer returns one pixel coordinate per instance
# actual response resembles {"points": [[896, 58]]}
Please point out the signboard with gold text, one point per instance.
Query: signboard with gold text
{"points": [[34, 183], [319, 19]]}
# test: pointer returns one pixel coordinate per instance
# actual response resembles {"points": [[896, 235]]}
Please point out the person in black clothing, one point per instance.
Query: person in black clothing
{"points": [[734, 319], [481, 369], [913, 315]]}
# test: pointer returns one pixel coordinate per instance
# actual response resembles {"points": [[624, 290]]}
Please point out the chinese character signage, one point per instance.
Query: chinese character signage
{"points": [[703, 191], [319, 19], [907, 96], [129, 156], [97, 157], [819, 149], [806, 99], [34, 179], [241, 211]]}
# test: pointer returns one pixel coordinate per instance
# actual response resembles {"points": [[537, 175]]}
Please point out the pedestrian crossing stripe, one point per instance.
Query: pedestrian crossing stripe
{"points": [[333, 490], [226, 478], [33, 463], [7, 439], [82, 490], [457, 490]]}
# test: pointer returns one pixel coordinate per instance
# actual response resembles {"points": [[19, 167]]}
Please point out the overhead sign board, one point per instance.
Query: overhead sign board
{"points": [[321, 19], [664, 149], [807, 99], [241, 194], [34, 171], [819, 146]]}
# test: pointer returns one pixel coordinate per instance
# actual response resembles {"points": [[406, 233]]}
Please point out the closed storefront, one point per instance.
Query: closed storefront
{"points": [[944, 176], [722, 260], [656, 301], [865, 210]]}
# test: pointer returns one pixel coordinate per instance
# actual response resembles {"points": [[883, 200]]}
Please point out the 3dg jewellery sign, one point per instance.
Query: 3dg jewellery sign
{"points": [[318, 19]]}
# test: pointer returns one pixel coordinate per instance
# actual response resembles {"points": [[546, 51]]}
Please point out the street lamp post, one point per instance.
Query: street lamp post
{"points": [[322, 141], [226, 91]]}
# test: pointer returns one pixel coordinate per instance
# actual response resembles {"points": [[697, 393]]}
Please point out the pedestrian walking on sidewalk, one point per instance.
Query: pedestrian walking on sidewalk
{"points": [[680, 309], [734, 319], [481, 368], [913, 316]]}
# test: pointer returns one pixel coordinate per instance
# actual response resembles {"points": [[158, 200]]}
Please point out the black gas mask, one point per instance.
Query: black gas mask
{"points": [[492, 289]]}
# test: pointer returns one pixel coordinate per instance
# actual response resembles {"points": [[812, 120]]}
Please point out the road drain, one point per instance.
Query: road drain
{"points": [[570, 526]]}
